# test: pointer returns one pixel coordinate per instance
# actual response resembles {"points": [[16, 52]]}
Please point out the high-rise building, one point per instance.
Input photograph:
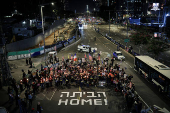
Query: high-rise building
{"points": [[65, 4], [99, 3], [131, 8]]}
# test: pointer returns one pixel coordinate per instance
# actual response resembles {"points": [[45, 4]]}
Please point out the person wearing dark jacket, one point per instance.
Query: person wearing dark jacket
{"points": [[38, 107], [27, 61]]}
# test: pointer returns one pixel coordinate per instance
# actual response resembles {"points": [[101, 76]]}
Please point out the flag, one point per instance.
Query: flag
{"points": [[68, 56], [130, 85], [85, 56], [71, 57], [98, 56], [75, 57], [90, 57], [55, 47]]}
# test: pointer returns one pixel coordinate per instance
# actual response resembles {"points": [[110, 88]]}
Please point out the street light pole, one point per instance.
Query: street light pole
{"points": [[43, 32], [109, 23], [109, 20], [42, 5], [127, 19]]}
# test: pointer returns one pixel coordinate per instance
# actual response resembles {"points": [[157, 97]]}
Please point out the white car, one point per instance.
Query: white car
{"points": [[118, 55], [86, 48]]}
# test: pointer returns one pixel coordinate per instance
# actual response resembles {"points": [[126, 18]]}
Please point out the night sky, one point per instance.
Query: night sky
{"points": [[80, 5], [9, 5]]}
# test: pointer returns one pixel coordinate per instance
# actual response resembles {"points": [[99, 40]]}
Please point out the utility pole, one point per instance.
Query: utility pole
{"points": [[109, 16], [116, 19], [127, 19], [42, 5], [109, 20], [43, 32]]}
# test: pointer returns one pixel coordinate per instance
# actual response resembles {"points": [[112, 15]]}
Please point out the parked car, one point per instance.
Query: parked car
{"points": [[118, 55]]}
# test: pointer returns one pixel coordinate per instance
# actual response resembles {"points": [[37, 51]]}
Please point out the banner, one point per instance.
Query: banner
{"points": [[13, 57], [35, 54], [36, 51]]}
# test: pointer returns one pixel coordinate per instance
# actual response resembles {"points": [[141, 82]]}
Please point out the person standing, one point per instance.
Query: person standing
{"points": [[30, 62], [27, 61], [24, 105], [23, 74], [21, 87], [39, 108], [30, 99], [16, 100]]}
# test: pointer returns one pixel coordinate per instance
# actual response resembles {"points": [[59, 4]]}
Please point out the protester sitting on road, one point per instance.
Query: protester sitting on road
{"points": [[78, 73]]}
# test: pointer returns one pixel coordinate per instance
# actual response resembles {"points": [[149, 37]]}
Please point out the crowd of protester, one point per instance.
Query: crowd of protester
{"points": [[81, 73]]}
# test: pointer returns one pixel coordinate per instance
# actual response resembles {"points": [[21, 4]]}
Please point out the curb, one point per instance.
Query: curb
{"points": [[70, 45], [33, 69]]}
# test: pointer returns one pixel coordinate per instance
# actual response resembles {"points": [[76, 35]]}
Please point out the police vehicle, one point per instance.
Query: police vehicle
{"points": [[118, 55], [86, 48]]}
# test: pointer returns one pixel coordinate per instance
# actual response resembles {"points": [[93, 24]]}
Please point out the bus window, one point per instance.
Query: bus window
{"points": [[154, 74], [144, 67], [137, 63]]}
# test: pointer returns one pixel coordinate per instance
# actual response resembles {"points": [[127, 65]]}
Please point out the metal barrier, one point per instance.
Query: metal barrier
{"points": [[121, 45]]}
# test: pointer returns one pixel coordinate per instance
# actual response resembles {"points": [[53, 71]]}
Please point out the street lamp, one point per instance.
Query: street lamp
{"points": [[43, 31], [42, 5], [52, 3]]}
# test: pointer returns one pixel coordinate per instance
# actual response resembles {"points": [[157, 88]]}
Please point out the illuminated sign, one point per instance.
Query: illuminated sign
{"points": [[78, 98], [155, 34], [155, 6]]}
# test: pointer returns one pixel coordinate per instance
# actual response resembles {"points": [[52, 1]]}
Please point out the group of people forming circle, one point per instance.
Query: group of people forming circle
{"points": [[67, 72]]}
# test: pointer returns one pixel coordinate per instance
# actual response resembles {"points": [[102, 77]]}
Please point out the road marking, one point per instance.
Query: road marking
{"points": [[128, 64], [53, 94], [143, 101], [45, 96], [164, 110], [38, 98]]}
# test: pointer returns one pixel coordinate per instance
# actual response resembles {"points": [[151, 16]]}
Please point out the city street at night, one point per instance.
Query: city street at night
{"points": [[85, 56]]}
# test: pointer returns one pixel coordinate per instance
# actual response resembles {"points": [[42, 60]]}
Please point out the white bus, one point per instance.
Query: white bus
{"points": [[155, 72]]}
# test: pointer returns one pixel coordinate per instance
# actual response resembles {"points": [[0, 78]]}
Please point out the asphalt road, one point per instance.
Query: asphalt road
{"points": [[145, 90], [120, 33], [49, 98]]}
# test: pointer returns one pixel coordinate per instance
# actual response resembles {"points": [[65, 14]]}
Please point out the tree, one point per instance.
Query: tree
{"points": [[156, 47], [141, 36]]}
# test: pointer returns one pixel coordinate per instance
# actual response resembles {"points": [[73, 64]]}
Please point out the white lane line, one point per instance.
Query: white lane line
{"points": [[128, 64], [143, 101], [53, 94], [45, 96]]}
